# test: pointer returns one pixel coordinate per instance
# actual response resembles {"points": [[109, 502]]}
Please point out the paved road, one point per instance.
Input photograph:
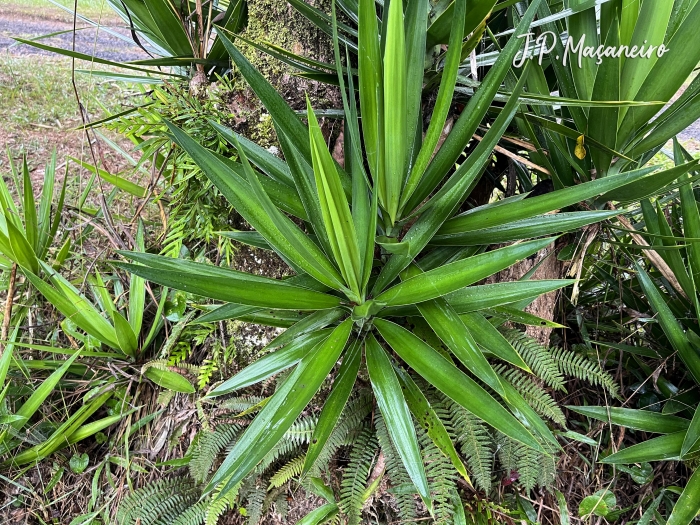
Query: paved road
{"points": [[103, 44], [89, 40]]}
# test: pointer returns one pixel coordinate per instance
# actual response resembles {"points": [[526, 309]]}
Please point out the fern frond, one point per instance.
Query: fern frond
{"points": [[290, 470], [354, 482], [535, 395], [349, 426], [240, 403], [207, 446], [508, 451], [159, 503], [206, 371], [194, 515], [442, 479], [581, 367], [281, 505], [301, 430], [475, 443], [254, 504], [284, 448], [396, 473], [221, 502], [530, 467], [538, 358]]}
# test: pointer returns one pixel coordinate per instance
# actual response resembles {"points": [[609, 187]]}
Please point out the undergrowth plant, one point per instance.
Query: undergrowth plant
{"points": [[652, 302], [372, 459], [382, 267], [196, 209], [106, 324]]}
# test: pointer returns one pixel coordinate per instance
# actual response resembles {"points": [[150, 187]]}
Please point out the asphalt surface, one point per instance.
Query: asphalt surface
{"points": [[102, 44], [89, 40]]}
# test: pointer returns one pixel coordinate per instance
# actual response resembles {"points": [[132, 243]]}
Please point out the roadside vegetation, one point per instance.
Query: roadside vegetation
{"points": [[374, 284]]}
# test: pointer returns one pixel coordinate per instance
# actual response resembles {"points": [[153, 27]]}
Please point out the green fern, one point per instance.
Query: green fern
{"points": [[207, 446], [281, 505], [290, 470], [508, 451], [240, 403], [291, 443], [220, 502], [206, 371], [354, 481], [255, 499], [160, 503], [442, 479], [581, 367], [194, 515], [349, 426], [538, 358], [396, 473], [535, 395], [475, 443], [530, 468]]}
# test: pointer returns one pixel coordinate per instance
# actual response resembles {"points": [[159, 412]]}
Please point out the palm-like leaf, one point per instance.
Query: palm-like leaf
{"points": [[365, 224]]}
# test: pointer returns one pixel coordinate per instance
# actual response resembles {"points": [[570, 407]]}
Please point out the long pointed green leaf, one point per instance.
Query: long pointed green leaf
{"points": [[433, 425], [90, 58], [395, 126], [335, 208], [449, 197], [125, 334], [333, 407], [31, 405], [692, 436], [291, 243], [271, 363], [78, 309], [262, 158], [661, 448], [456, 275], [602, 122], [31, 223], [442, 103], [447, 325], [523, 229], [137, 289], [392, 405], [643, 420], [279, 110], [471, 116], [447, 378], [371, 88], [226, 285], [670, 325], [281, 410], [479, 297], [489, 216], [688, 504], [491, 340], [416, 25], [668, 74]]}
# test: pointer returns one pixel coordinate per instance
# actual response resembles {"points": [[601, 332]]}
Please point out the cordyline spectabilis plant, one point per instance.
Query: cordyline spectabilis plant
{"points": [[373, 274]]}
